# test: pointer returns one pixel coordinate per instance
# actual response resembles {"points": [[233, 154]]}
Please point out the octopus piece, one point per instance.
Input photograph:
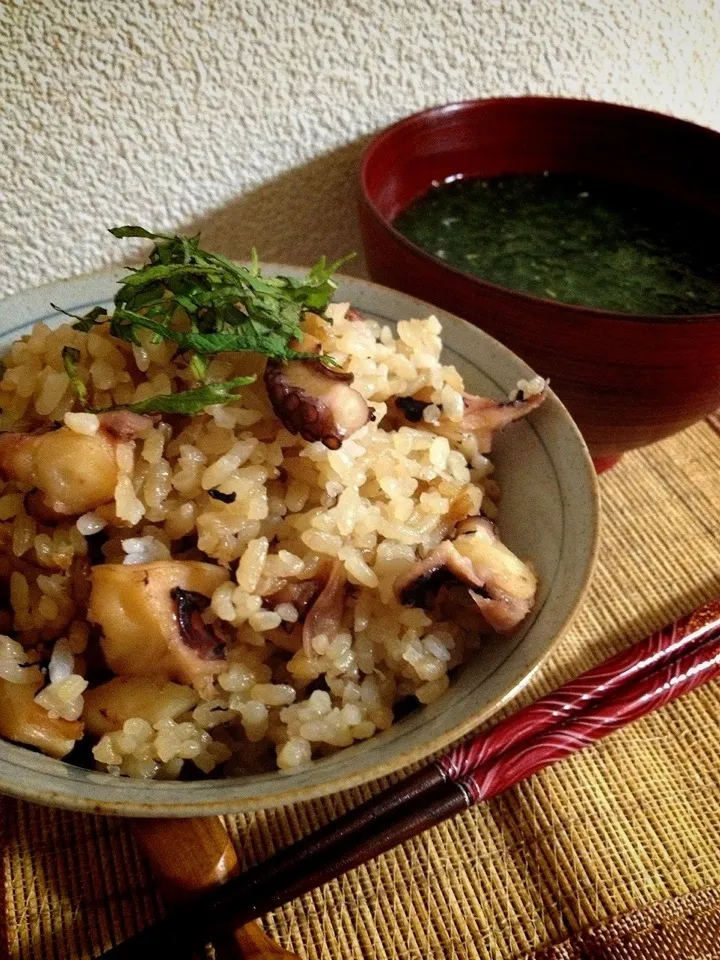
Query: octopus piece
{"points": [[313, 399], [325, 615], [126, 425], [300, 593], [510, 583], [71, 472], [288, 637], [502, 586], [150, 615], [108, 706], [482, 416], [421, 584], [24, 721]]}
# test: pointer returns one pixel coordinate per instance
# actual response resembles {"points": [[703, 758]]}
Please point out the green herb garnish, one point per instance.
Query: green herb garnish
{"points": [[205, 304], [272, 343], [190, 401], [86, 322], [226, 306], [70, 358]]}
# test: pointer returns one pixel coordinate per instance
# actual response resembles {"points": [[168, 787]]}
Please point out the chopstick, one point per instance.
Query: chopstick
{"points": [[667, 664]]}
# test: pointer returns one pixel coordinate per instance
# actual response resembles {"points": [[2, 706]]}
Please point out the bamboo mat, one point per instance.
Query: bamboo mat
{"points": [[633, 822]]}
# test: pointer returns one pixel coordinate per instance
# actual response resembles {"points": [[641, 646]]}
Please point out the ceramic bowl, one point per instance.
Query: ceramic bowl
{"points": [[549, 513], [627, 380]]}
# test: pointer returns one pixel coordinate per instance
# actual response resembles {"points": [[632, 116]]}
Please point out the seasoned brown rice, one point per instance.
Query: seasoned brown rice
{"points": [[234, 487]]}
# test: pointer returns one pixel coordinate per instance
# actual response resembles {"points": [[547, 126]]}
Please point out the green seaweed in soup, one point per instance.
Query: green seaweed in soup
{"points": [[574, 239]]}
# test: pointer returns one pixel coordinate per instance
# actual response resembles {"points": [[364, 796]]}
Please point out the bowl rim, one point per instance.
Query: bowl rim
{"points": [[291, 794], [439, 111]]}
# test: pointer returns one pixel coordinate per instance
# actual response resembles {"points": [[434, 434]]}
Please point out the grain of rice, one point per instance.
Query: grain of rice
{"points": [[212, 713], [429, 692], [257, 508], [382, 717], [24, 529], [294, 753], [153, 445], [432, 413], [264, 620], [246, 605], [322, 542], [363, 730], [246, 418], [254, 720], [356, 568], [63, 698], [104, 375], [61, 662], [320, 702], [351, 714], [452, 403], [273, 695], [481, 465], [439, 452], [227, 464], [222, 602], [47, 609], [54, 386], [144, 550], [251, 564], [78, 634], [181, 520], [11, 504], [84, 423], [16, 666], [297, 495], [287, 612], [90, 523], [529, 388], [107, 753], [127, 504]]}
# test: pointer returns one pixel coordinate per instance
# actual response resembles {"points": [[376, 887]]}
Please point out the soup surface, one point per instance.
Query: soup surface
{"points": [[575, 239]]}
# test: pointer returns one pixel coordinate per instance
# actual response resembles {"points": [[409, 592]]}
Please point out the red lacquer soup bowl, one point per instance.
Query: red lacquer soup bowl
{"points": [[628, 380]]}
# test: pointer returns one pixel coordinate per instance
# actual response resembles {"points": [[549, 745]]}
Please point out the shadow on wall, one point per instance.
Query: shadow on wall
{"points": [[295, 218]]}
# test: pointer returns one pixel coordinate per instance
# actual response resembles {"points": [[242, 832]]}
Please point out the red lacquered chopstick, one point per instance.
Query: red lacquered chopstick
{"points": [[596, 684], [665, 665]]}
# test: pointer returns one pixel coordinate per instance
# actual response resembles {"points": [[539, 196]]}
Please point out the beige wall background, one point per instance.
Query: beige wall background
{"points": [[246, 118]]}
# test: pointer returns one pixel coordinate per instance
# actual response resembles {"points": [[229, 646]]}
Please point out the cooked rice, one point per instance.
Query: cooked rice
{"points": [[377, 504]]}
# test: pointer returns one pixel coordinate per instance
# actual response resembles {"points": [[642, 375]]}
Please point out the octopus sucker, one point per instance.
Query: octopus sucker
{"points": [[315, 401]]}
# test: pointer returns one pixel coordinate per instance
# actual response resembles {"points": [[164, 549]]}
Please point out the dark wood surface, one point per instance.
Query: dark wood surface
{"points": [[192, 857]]}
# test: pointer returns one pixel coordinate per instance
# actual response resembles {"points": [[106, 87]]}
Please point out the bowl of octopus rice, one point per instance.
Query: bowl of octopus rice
{"points": [[266, 534]]}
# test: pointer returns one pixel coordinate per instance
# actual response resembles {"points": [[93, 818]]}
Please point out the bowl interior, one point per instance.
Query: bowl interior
{"points": [[487, 138], [549, 513]]}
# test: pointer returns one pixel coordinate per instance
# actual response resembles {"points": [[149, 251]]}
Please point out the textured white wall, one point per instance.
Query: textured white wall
{"points": [[246, 118]]}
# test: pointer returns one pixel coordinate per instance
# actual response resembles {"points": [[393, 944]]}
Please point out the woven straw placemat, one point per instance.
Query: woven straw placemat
{"points": [[630, 823]]}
